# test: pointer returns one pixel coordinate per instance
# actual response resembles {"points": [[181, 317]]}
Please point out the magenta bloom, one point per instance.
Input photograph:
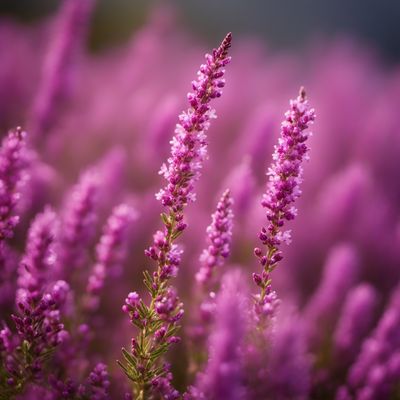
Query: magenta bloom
{"points": [[13, 161], [37, 265], [219, 234], [374, 374], [157, 323], [189, 146], [79, 221], [58, 68], [355, 322], [285, 177], [110, 251], [223, 375], [117, 106]]}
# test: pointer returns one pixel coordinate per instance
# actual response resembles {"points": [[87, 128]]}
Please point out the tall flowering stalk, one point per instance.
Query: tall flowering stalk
{"points": [[110, 252], [219, 234], [219, 237], [285, 177], [157, 322], [79, 222], [38, 317], [222, 377], [35, 268], [69, 35], [13, 162], [376, 370]]}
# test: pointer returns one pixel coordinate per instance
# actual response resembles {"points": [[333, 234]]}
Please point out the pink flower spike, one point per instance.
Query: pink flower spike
{"points": [[283, 188], [219, 234]]}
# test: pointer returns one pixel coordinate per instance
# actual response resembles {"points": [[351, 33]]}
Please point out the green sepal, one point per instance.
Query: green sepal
{"points": [[130, 358], [127, 373], [166, 219], [176, 234], [159, 352], [148, 281]]}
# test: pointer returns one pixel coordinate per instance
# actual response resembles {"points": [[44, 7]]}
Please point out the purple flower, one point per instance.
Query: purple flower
{"points": [[8, 272], [79, 221], [339, 276], [110, 251], [242, 186], [13, 162], [355, 321], [40, 331], [99, 383], [219, 234], [157, 322], [36, 266], [289, 365], [285, 177], [162, 385], [189, 146], [223, 377], [59, 64], [373, 374]]}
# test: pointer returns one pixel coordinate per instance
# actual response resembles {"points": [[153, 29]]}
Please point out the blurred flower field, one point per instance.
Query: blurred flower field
{"points": [[226, 310]]}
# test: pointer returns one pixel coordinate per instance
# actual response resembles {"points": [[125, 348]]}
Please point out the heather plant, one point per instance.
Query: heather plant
{"points": [[77, 208], [157, 323]]}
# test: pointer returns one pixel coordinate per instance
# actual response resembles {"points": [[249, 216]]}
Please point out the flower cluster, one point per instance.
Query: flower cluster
{"points": [[13, 163], [79, 221], [110, 252], [376, 369], [157, 323], [59, 64], [285, 177], [220, 235], [40, 357], [39, 330], [189, 145], [66, 264], [39, 258]]}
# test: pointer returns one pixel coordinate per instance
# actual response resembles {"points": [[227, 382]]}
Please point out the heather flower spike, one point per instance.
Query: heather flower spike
{"points": [[157, 322], [283, 188], [222, 377], [59, 64], [336, 341], [375, 372], [39, 302], [36, 266], [110, 252], [13, 162], [189, 146], [79, 221], [219, 234]]}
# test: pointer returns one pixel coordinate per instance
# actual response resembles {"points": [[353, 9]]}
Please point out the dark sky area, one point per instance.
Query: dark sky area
{"points": [[283, 23]]}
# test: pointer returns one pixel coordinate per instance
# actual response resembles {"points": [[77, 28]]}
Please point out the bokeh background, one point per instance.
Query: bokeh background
{"points": [[286, 23], [112, 105]]}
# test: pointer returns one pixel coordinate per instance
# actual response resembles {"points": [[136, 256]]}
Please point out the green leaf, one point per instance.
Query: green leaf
{"points": [[176, 234], [172, 330], [159, 352], [25, 346], [130, 358], [132, 378], [165, 218], [148, 281]]}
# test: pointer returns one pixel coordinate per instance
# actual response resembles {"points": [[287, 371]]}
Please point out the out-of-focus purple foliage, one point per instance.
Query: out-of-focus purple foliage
{"points": [[98, 126], [59, 63], [222, 377], [219, 234], [355, 321], [13, 163]]}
